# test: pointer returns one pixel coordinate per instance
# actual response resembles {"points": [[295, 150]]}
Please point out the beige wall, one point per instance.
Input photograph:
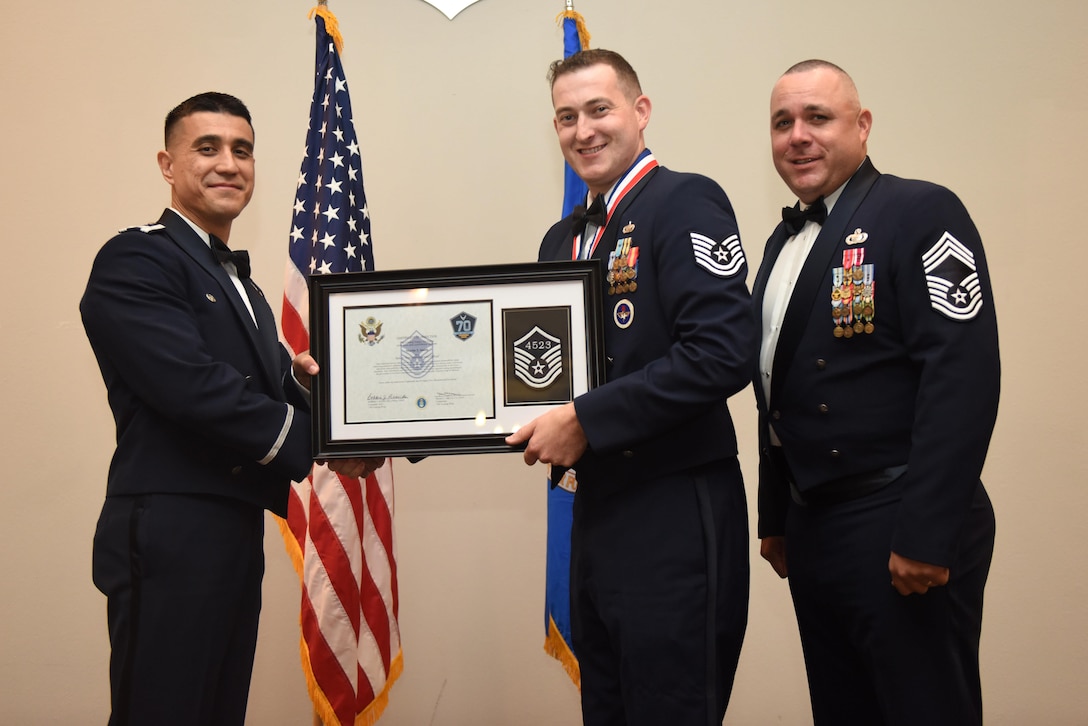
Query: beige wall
{"points": [[462, 167]]}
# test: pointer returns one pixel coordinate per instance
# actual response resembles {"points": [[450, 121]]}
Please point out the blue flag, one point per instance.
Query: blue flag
{"points": [[557, 640]]}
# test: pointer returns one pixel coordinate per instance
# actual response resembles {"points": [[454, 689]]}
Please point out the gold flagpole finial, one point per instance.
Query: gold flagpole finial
{"points": [[579, 21], [331, 26]]}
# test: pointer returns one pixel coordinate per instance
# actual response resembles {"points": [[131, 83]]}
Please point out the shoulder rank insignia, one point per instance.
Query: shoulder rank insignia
{"points": [[724, 258], [954, 288], [145, 228]]}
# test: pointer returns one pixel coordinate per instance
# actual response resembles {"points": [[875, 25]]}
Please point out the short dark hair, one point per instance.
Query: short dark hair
{"points": [[814, 64], [208, 101], [598, 56]]}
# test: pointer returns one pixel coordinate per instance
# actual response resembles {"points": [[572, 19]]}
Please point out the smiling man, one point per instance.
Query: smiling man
{"points": [[877, 392], [212, 422], [659, 563]]}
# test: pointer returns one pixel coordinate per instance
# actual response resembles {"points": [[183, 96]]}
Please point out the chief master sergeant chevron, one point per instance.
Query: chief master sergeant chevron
{"points": [[877, 394], [212, 423], [659, 557]]}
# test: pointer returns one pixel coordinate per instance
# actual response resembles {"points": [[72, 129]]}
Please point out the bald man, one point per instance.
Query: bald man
{"points": [[877, 392]]}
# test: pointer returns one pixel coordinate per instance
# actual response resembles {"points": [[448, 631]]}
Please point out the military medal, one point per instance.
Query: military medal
{"points": [[848, 293], [868, 311], [611, 275], [645, 164], [619, 267], [856, 276], [632, 266], [836, 300]]}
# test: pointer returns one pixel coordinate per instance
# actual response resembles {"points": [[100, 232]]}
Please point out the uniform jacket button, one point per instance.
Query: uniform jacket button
{"points": [[823, 408], [834, 453], [628, 454], [236, 470], [821, 364], [776, 415]]}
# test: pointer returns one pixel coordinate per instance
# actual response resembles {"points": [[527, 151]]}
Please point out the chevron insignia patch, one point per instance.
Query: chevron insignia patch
{"points": [[724, 259], [954, 287]]}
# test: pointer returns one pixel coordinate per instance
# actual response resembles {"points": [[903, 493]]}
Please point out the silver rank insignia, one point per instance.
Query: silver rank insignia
{"points": [[724, 259], [417, 355], [538, 358], [954, 288], [145, 228]]}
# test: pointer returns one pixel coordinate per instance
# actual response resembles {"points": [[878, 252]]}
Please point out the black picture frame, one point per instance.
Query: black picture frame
{"points": [[427, 362]]}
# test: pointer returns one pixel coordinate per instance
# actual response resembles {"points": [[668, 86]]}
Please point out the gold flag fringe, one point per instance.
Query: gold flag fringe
{"points": [[579, 22], [370, 715], [322, 708], [556, 647], [331, 26]]}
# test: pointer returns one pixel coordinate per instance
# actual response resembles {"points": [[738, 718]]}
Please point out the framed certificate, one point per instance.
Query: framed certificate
{"points": [[451, 360]]}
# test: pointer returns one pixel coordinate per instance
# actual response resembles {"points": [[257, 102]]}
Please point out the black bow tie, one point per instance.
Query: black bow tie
{"points": [[240, 258], [595, 214], [795, 217]]}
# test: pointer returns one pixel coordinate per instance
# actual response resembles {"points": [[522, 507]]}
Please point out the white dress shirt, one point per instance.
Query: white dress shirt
{"points": [[776, 297]]}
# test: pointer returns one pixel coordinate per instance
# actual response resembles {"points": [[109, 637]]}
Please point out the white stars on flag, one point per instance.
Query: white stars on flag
{"points": [[330, 205]]}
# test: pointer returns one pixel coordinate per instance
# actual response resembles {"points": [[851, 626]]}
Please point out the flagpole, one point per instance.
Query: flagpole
{"points": [[560, 495], [317, 718], [346, 564]]}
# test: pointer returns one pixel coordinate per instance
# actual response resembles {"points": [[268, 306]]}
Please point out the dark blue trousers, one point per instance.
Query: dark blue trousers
{"points": [[182, 577], [659, 597], [875, 657]]}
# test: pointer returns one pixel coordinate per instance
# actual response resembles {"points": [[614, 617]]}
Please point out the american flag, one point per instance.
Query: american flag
{"points": [[339, 530]]}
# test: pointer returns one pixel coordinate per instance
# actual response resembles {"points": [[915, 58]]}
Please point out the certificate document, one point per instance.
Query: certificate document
{"points": [[425, 362], [419, 362]]}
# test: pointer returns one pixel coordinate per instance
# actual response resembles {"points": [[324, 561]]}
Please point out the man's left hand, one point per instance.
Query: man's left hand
{"points": [[555, 437], [303, 367], [911, 576], [353, 467]]}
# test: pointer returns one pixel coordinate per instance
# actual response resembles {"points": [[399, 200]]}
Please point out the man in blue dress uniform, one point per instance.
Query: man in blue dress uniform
{"points": [[212, 422], [877, 392], [659, 564]]}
